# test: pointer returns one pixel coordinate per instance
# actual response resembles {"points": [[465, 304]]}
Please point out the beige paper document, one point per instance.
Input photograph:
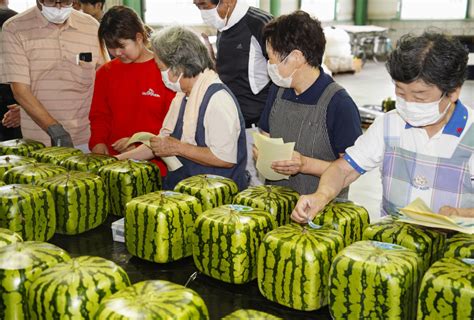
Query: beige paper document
{"points": [[269, 150], [144, 137], [417, 212]]}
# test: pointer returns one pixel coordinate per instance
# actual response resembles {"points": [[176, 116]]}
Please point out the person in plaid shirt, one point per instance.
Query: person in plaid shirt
{"points": [[424, 148]]}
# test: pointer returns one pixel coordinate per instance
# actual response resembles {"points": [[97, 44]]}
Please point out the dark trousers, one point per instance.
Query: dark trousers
{"points": [[6, 99]]}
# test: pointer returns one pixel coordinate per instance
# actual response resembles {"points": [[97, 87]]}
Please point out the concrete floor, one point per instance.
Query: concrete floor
{"points": [[371, 86]]}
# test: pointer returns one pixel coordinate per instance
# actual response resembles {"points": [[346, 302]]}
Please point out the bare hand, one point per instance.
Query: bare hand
{"points": [[165, 146], [457, 212], [12, 118], [289, 167], [307, 207], [100, 148], [121, 145]]}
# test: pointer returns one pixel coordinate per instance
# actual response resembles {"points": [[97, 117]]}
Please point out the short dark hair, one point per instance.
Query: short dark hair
{"points": [[93, 2], [433, 57], [297, 31], [216, 2], [121, 22]]}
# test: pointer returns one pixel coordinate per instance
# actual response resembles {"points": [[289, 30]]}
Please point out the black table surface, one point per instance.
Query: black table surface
{"points": [[221, 298]]}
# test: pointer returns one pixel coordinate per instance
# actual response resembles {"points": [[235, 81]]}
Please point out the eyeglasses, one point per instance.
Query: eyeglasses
{"points": [[52, 3]]}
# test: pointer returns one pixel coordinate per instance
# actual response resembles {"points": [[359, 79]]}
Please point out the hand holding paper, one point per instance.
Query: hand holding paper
{"points": [[144, 137]]}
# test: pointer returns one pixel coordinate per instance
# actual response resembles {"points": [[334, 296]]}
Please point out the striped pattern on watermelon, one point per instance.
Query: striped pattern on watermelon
{"points": [[21, 147], [156, 299], [2, 184], [279, 201], [11, 161], [54, 155], [8, 237], [374, 280], [75, 289], [159, 225], [428, 243], [28, 210], [460, 245], [80, 199], [346, 217], [211, 190], [90, 162], [447, 290], [31, 173], [127, 179], [249, 314], [294, 263], [226, 241], [20, 264]]}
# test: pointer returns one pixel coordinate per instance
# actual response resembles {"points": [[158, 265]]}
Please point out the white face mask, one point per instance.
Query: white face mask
{"points": [[55, 15], [175, 86], [276, 77], [419, 114], [212, 18]]}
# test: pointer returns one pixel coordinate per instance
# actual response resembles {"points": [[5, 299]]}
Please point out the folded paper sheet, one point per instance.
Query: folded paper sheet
{"points": [[269, 150], [417, 212], [144, 137]]}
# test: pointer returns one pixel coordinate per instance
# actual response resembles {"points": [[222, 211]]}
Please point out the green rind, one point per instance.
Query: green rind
{"points": [[20, 264], [428, 243], [211, 190], [54, 155], [75, 289], [249, 314], [89, 162], [28, 210], [348, 218], [30, 174], [11, 161], [293, 265], [8, 237], [127, 179], [81, 201], [226, 241], [279, 201], [460, 245], [374, 280], [156, 299], [447, 290], [20, 147], [159, 225]]}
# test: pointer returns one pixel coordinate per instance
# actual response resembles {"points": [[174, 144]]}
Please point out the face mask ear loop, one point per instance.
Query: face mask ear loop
{"points": [[226, 18]]}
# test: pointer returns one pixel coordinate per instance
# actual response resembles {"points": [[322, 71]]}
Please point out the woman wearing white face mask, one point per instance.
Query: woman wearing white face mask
{"points": [[305, 105], [204, 127], [424, 147]]}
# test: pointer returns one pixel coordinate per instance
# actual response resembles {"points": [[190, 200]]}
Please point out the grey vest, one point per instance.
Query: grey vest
{"points": [[306, 126]]}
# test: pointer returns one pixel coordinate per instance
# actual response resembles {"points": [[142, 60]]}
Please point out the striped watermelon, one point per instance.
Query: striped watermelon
{"points": [[211, 190], [156, 299], [75, 289], [447, 290], [80, 199], [87, 162], [249, 314], [226, 241], [127, 179], [2, 184], [346, 217], [10, 161], [293, 265], [20, 264], [31, 173], [8, 237], [21, 147], [374, 280], [460, 245], [159, 225], [277, 200], [428, 243], [28, 210], [54, 155]]}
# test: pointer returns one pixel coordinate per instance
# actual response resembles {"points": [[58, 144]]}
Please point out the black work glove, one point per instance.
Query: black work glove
{"points": [[59, 136]]}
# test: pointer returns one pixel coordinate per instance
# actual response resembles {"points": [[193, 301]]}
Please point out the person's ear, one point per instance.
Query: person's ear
{"points": [[454, 96], [139, 37]]}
